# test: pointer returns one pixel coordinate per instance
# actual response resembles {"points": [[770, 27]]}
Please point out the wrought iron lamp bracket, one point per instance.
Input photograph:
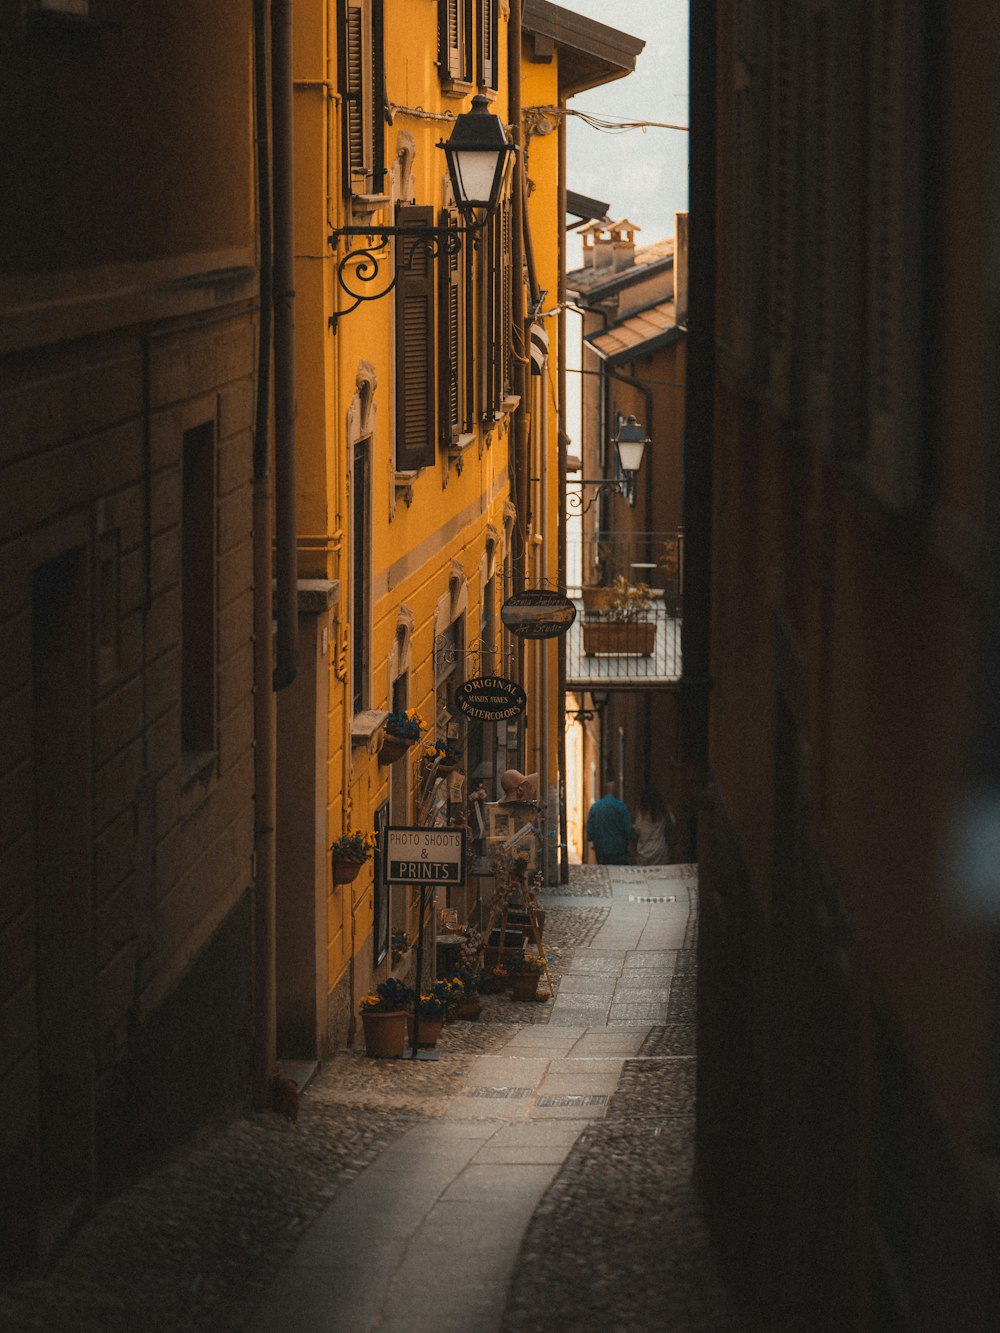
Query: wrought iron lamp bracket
{"points": [[575, 499], [361, 265]]}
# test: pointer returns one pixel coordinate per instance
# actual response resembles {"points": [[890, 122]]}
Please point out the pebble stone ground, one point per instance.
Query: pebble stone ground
{"points": [[618, 1243]]}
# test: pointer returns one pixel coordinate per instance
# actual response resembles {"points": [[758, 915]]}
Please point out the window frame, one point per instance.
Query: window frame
{"points": [[455, 19], [363, 97]]}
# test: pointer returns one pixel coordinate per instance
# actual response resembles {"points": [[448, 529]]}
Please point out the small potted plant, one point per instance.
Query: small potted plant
{"points": [[432, 1008], [383, 1017], [442, 756], [400, 945], [624, 628], [494, 980], [525, 972], [402, 729], [349, 853]]}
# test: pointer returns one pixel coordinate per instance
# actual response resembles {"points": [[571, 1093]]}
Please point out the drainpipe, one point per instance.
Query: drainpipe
{"points": [[543, 516], [286, 668], [521, 457], [561, 527], [693, 710], [264, 1004]]}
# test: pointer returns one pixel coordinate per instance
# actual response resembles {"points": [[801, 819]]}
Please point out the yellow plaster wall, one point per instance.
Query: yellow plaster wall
{"points": [[416, 546]]}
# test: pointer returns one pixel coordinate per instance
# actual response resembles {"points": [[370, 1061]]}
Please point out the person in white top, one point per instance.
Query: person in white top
{"points": [[652, 826]]}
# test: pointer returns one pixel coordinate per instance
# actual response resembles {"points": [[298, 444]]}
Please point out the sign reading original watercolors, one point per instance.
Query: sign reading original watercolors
{"points": [[491, 698], [425, 855], [538, 613]]}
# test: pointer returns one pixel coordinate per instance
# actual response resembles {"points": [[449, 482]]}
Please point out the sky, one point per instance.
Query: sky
{"points": [[643, 174]]}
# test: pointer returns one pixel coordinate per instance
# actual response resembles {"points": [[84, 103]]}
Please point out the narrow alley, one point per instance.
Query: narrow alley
{"points": [[537, 1175]]}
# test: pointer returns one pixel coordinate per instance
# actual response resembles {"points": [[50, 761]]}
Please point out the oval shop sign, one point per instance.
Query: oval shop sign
{"points": [[538, 613], [491, 698]]}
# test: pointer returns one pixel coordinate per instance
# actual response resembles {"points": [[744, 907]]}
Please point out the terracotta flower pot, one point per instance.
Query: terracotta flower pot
{"points": [[392, 748], [385, 1032], [468, 1012], [344, 872], [635, 639], [525, 985], [430, 1030]]}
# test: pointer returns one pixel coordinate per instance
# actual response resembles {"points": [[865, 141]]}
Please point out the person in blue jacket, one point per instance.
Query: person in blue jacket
{"points": [[609, 828]]}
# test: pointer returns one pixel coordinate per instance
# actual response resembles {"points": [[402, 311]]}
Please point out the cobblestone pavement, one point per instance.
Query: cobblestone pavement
{"points": [[619, 1244], [194, 1245]]}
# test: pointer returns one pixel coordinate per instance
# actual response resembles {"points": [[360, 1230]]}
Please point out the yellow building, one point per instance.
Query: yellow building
{"points": [[428, 458]]}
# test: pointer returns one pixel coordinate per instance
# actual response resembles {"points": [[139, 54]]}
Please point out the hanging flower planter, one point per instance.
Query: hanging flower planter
{"points": [[402, 729], [392, 748], [349, 853], [346, 872]]}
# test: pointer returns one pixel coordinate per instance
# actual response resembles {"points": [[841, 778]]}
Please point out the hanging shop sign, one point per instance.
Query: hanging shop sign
{"points": [[491, 698], [538, 613], [424, 856]]}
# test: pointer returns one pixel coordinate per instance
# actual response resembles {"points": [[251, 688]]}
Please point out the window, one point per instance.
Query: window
{"points": [[416, 414], [360, 575], [494, 297], [487, 62], [456, 384], [362, 87], [198, 598], [455, 40]]}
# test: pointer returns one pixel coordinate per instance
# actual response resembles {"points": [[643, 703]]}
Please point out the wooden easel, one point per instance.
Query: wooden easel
{"points": [[507, 897]]}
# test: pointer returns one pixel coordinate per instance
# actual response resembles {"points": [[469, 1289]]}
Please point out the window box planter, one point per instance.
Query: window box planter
{"points": [[635, 638]]}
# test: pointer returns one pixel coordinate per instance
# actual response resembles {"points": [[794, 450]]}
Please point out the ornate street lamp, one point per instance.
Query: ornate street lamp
{"points": [[479, 157], [630, 444]]}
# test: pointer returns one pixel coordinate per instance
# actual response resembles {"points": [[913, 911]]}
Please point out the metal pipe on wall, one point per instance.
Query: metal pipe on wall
{"points": [[265, 795], [282, 93]]}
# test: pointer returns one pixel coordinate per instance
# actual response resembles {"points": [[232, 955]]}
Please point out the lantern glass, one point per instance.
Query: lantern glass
{"points": [[478, 153], [631, 442]]}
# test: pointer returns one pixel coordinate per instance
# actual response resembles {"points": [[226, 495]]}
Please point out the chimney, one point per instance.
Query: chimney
{"points": [[621, 241]]}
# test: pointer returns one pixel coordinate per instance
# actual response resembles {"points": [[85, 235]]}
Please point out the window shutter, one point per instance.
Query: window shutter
{"points": [[354, 83], [377, 98], [488, 43], [450, 361], [415, 380], [506, 298], [361, 81], [449, 20]]}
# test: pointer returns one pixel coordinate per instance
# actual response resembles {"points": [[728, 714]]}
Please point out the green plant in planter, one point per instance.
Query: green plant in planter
{"points": [[401, 945], [628, 602], [624, 627], [357, 847], [445, 754], [405, 724], [528, 963], [432, 1005], [388, 997]]}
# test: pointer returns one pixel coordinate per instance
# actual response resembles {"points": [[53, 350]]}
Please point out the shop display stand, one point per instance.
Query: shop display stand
{"points": [[514, 892]]}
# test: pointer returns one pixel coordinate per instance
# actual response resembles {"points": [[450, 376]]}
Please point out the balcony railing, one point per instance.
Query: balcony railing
{"points": [[640, 653]]}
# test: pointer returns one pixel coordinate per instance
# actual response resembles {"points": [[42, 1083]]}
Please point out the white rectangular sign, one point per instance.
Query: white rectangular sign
{"points": [[425, 855]]}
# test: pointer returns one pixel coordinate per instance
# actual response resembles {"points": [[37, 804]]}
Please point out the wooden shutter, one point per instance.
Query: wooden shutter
{"points": [[488, 43], [361, 82], [415, 379], [451, 369], [450, 27], [505, 278]]}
